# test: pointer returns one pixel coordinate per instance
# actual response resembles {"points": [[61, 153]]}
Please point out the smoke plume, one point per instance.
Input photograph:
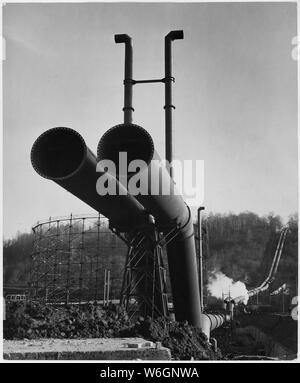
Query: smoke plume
{"points": [[219, 284]]}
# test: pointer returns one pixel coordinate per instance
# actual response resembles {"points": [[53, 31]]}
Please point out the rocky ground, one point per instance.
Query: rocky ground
{"points": [[29, 321], [281, 328], [37, 321]]}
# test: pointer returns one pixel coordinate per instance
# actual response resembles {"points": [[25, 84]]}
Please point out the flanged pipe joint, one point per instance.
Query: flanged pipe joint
{"points": [[208, 322]]}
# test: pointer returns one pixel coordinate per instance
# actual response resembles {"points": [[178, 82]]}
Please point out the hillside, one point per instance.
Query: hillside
{"points": [[241, 246]]}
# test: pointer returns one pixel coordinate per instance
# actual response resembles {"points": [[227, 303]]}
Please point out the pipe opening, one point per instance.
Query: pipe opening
{"points": [[58, 153], [129, 138]]}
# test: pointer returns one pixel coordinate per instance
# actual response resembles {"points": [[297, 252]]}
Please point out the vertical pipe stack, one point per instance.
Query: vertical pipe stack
{"points": [[173, 35], [128, 82]]}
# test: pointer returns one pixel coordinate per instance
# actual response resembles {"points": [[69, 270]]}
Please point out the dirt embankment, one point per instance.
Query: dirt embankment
{"points": [[35, 321], [282, 330]]}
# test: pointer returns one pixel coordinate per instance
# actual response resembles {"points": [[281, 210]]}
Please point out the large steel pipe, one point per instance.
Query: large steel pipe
{"points": [[208, 322], [168, 209], [61, 155], [274, 266]]}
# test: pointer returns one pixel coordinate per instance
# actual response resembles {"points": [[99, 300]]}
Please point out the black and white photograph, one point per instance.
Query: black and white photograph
{"points": [[150, 184]]}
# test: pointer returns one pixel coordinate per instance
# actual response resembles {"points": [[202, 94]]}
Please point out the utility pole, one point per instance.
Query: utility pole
{"points": [[106, 289]]}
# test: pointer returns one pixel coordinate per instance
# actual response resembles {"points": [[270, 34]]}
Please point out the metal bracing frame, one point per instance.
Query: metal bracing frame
{"points": [[144, 290]]}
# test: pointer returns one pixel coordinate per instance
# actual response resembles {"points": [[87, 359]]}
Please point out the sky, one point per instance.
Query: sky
{"points": [[235, 96]]}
